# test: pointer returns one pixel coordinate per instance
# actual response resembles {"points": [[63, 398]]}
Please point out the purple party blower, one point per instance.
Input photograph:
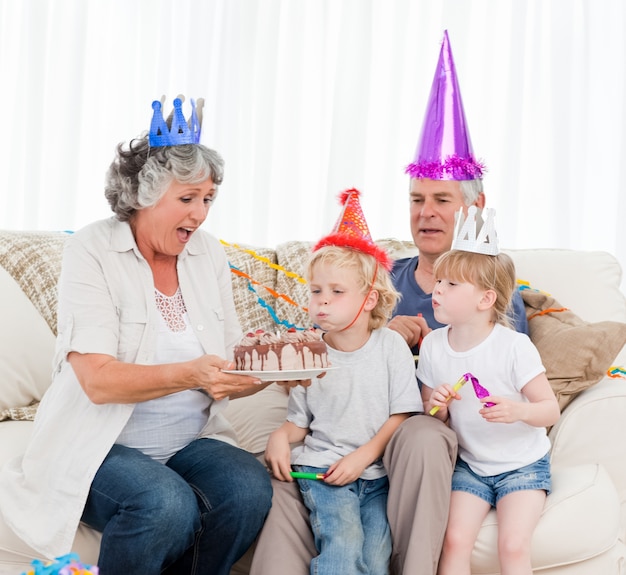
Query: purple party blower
{"points": [[480, 391]]}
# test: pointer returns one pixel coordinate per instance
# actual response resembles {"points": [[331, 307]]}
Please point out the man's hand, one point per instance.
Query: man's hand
{"points": [[411, 327]]}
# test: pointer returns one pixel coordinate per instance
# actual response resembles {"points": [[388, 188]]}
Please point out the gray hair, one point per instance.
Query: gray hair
{"points": [[140, 175], [471, 189]]}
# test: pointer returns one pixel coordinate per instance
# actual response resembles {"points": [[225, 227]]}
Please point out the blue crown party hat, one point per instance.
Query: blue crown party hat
{"points": [[180, 131]]}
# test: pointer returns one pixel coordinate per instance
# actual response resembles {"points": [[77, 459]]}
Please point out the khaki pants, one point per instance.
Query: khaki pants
{"points": [[419, 460]]}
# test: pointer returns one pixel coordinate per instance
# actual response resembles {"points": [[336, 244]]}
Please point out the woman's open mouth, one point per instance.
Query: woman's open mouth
{"points": [[184, 234]]}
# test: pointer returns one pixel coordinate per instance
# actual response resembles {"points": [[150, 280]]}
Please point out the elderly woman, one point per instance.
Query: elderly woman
{"points": [[130, 438]]}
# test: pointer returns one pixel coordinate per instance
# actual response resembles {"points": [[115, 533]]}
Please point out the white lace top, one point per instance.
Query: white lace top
{"points": [[161, 427]]}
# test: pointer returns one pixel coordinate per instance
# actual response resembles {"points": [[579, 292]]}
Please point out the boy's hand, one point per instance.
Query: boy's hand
{"points": [[278, 455], [347, 469]]}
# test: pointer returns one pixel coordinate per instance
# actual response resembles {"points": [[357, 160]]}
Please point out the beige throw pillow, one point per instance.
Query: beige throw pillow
{"points": [[293, 257], [254, 280], [575, 353]]}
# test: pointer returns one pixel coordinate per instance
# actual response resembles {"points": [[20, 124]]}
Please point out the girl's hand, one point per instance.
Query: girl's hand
{"points": [[503, 411], [441, 397], [541, 409]]}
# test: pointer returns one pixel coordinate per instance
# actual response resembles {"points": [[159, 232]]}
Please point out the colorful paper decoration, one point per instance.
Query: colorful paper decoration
{"points": [[65, 565], [260, 300]]}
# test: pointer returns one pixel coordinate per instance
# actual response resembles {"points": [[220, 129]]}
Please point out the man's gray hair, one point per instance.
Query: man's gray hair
{"points": [[471, 189]]}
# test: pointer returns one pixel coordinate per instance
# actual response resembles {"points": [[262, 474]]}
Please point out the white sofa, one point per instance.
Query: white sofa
{"points": [[583, 528]]}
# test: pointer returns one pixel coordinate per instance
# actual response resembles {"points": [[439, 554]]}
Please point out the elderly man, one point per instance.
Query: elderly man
{"points": [[421, 454], [433, 205]]}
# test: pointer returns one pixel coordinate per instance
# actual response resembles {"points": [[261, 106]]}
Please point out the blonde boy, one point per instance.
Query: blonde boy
{"points": [[345, 419]]}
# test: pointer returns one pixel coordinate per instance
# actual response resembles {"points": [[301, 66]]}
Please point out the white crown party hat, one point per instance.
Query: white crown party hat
{"points": [[476, 233]]}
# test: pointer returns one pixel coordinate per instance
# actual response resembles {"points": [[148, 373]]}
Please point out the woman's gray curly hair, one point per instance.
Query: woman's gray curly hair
{"points": [[140, 175]]}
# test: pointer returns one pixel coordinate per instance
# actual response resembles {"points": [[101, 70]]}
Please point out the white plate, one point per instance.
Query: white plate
{"points": [[285, 375]]}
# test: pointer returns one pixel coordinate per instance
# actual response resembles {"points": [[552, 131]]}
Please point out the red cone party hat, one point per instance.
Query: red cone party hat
{"points": [[351, 230]]}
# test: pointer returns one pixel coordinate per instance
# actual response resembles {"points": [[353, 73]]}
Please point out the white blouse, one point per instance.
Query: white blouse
{"points": [[107, 306], [162, 426]]}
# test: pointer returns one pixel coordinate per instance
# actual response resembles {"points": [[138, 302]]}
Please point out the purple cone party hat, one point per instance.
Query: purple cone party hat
{"points": [[176, 131], [444, 150], [351, 230]]}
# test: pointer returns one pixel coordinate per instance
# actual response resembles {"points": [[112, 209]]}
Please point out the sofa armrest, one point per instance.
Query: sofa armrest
{"points": [[592, 429]]}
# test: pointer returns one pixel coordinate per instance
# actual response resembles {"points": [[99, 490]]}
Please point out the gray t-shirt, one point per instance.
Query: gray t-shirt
{"points": [[347, 407]]}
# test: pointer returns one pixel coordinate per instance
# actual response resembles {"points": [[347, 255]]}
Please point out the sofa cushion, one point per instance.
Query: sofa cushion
{"points": [[254, 417], [30, 263], [254, 282], [33, 259], [571, 528], [575, 353], [27, 345], [26, 413], [588, 283], [292, 257]]}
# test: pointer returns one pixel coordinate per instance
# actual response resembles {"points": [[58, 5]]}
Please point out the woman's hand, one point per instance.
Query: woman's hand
{"points": [[287, 385], [210, 376]]}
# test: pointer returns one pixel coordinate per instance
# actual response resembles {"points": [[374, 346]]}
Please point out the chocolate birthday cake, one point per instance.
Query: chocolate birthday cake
{"points": [[291, 350]]}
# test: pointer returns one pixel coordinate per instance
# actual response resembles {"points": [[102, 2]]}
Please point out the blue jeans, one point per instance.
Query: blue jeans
{"points": [[349, 525], [198, 514], [494, 487]]}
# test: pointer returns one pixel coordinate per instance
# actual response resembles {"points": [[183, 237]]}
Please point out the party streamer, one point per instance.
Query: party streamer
{"points": [[616, 372], [252, 282], [66, 565], [276, 294], [266, 261], [263, 303]]}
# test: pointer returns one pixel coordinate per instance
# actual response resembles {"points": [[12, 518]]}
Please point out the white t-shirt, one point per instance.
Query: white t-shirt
{"points": [[503, 363], [348, 406]]}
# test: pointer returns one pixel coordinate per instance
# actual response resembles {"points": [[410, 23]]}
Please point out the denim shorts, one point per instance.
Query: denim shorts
{"points": [[494, 487]]}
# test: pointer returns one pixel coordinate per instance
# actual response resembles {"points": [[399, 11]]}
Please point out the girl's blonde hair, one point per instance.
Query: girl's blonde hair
{"points": [[495, 273], [364, 266]]}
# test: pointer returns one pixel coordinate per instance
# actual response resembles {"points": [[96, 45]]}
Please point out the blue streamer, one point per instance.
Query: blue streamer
{"points": [[268, 307]]}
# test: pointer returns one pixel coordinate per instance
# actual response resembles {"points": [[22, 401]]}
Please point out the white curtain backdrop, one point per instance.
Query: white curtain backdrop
{"points": [[305, 98]]}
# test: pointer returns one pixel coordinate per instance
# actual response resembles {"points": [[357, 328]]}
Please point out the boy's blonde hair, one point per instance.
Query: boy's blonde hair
{"points": [[365, 266], [486, 272]]}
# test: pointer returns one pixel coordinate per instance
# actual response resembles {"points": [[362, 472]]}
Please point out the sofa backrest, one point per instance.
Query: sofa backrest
{"points": [[587, 282], [268, 289]]}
